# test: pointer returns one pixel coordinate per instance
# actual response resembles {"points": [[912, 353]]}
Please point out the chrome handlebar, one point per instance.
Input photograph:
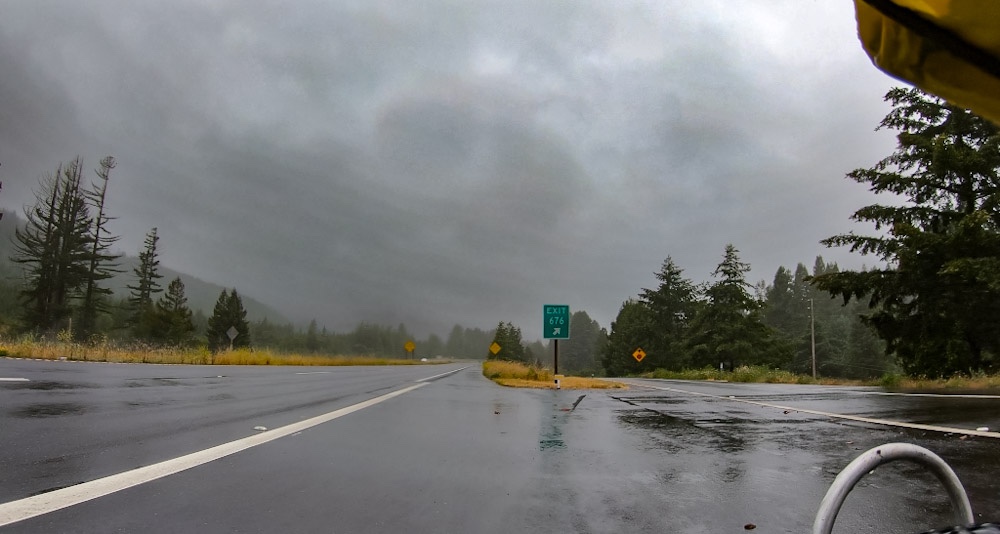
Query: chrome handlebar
{"points": [[891, 452]]}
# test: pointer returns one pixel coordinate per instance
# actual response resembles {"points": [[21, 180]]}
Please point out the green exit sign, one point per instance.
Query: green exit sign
{"points": [[556, 321]]}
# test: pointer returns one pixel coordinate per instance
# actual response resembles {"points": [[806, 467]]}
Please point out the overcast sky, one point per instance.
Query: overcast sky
{"points": [[443, 162]]}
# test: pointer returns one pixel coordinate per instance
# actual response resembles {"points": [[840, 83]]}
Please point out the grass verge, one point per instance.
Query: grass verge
{"points": [[975, 383], [519, 375], [754, 373], [136, 353]]}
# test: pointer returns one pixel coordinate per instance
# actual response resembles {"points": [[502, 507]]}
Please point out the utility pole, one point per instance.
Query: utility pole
{"points": [[812, 334]]}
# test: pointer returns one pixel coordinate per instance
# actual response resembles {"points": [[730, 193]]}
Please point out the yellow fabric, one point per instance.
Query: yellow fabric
{"points": [[905, 54]]}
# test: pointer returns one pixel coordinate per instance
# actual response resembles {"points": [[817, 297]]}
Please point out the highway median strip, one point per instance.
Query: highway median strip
{"points": [[519, 375]]}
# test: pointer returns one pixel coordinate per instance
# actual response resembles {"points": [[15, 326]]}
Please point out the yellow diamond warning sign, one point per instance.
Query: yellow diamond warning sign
{"points": [[494, 348], [639, 354]]}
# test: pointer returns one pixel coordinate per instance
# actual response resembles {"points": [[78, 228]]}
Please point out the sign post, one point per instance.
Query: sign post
{"points": [[232, 333], [410, 347], [555, 325]]}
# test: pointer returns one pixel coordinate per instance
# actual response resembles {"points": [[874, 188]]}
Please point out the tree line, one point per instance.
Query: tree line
{"points": [[63, 251], [930, 306], [370, 338], [729, 322]]}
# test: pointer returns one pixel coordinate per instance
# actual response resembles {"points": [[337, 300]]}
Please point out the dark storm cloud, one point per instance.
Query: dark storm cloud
{"points": [[448, 162]]}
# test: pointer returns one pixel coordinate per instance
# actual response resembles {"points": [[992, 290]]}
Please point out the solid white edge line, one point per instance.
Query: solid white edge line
{"points": [[315, 373], [14, 511], [935, 395], [442, 374], [14, 380], [869, 420]]}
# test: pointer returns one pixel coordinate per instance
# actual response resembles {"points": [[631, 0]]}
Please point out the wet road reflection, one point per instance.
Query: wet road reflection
{"points": [[725, 449]]}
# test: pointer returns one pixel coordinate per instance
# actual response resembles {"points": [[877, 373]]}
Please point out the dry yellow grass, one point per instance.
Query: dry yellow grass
{"points": [[109, 352], [569, 382], [494, 369], [519, 375]]}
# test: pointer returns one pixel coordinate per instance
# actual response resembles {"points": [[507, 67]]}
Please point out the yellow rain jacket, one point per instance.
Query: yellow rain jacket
{"points": [[950, 48]]}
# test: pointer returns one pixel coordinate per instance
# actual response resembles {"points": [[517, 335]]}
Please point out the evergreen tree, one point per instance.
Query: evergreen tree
{"points": [[146, 286], [787, 311], [174, 324], [631, 330], [729, 331], [454, 346], [434, 346], [54, 248], [576, 354], [101, 261], [673, 305], [312, 337], [228, 313], [781, 311], [936, 300], [508, 337], [218, 324]]}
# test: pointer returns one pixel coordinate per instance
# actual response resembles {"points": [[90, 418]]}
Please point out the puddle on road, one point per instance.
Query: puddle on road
{"points": [[51, 409], [674, 432], [171, 381], [545, 444], [146, 382], [132, 405]]}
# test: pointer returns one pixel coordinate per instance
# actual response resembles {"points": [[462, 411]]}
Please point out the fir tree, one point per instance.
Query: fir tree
{"points": [[174, 324], [54, 248], [672, 306], [728, 331], [228, 313], [101, 261], [146, 286], [936, 298]]}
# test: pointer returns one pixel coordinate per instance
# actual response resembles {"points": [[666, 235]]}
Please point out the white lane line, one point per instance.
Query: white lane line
{"points": [[869, 420], [315, 373], [14, 511], [14, 380], [936, 395], [429, 378]]}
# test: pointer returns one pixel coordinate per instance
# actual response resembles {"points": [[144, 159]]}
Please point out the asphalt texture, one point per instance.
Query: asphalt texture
{"points": [[461, 454]]}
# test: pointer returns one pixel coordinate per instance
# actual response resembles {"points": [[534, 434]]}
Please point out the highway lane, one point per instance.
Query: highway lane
{"points": [[73, 422], [461, 454]]}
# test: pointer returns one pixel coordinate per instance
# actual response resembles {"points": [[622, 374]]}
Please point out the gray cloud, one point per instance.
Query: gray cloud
{"points": [[449, 162]]}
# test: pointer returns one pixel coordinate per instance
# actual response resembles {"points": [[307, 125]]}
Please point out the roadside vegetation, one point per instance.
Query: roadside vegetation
{"points": [[517, 374], [754, 373], [27, 347], [975, 383]]}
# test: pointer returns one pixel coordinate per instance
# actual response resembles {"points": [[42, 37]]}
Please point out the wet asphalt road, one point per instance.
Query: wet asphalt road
{"points": [[463, 455]]}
